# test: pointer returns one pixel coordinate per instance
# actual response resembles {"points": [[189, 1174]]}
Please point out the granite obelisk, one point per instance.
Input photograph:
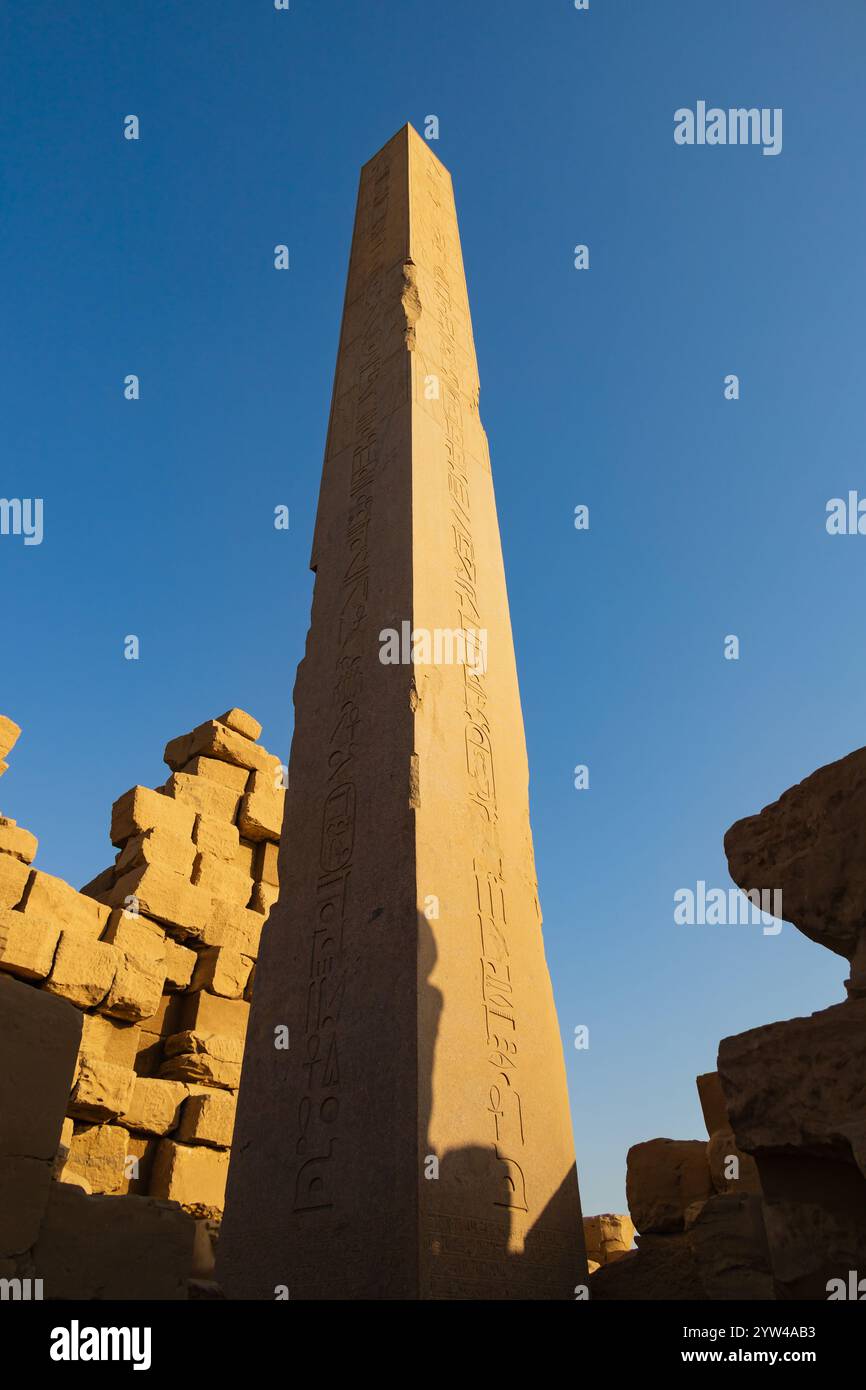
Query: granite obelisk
{"points": [[403, 1126]]}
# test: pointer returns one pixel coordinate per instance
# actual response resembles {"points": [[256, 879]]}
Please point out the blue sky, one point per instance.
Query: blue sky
{"points": [[602, 387]]}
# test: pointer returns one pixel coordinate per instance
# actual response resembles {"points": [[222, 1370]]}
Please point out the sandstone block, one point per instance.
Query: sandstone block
{"points": [[26, 947], [663, 1177], [154, 1106], [39, 1038], [730, 1168], [168, 897], [263, 898], [140, 1154], [261, 810], [729, 1246], [811, 845], [141, 809], [208, 1119], [17, 842], [136, 988], [83, 970], [50, 900], [222, 970], [113, 1247], [138, 935], [203, 796], [112, 1040], [663, 1268], [266, 863], [192, 1176], [712, 1098], [9, 735], [179, 965], [14, 877], [98, 1154], [160, 847], [245, 858], [102, 1089], [216, 740], [242, 723], [607, 1235], [99, 886], [202, 1012], [221, 880], [800, 1085], [25, 1184], [217, 837], [225, 773], [237, 927], [209, 1059]]}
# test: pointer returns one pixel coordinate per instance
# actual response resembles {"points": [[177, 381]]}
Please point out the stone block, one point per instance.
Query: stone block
{"points": [[14, 877], [203, 1012], [217, 837], [39, 1039], [168, 897], [102, 1089], [241, 723], [110, 1039], [155, 1105], [712, 1099], [27, 947], [160, 847], [216, 740], [203, 796], [83, 970], [9, 735], [141, 809], [194, 1176], [25, 1184], [111, 1248], [208, 1118], [264, 897], [222, 970], [261, 810], [136, 989], [225, 773], [222, 880], [266, 863], [206, 1059], [179, 965], [98, 1154], [607, 1235], [18, 842], [50, 900], [663, 1177], [730, 1168]]}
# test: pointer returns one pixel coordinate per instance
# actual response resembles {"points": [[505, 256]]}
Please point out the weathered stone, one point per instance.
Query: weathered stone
{"points": [[168, 897], [18, 842], [140, 1154], [155, 1104], [215, 740], [137, 987], [800, 1085], [51, 901], [222, 970], [730, 1168], [141, 809], [266, 863], [242, 723], [113, 1247], [27, 947], [663, 1268], [217, 837], [210, 1059], [225, 773], [179, 965], [245, 857], [222, 880], [263, 898], [236, 927], [14, 877], [98, 1154], [712, 1098], [811, 845], [192, 1176], [112, 1040], [83, 970], [815, 1218], [663, 1177], [261, 810], [156, 847], [203, 1012], [204, 796], [10, 733], [208, 1119], [607, 1235], [39, 1038], [25, 1184], [102, 1089], [729, 1246]]}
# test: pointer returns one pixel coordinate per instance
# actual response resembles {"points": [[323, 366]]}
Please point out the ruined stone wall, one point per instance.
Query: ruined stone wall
{"points": [[142, 982]]}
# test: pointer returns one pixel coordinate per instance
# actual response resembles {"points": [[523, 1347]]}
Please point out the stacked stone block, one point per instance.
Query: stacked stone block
{"points": [[154, 959]]}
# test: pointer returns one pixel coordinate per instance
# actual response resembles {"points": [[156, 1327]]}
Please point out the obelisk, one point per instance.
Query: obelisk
{"points": [[403, 1125]]}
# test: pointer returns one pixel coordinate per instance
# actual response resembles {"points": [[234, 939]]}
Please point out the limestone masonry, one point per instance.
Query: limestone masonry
{"points": [[123, 1010], [414, 1139]]}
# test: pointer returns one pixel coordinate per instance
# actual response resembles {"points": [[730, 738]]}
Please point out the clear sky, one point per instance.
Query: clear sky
{"points": [[602, 387]]}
